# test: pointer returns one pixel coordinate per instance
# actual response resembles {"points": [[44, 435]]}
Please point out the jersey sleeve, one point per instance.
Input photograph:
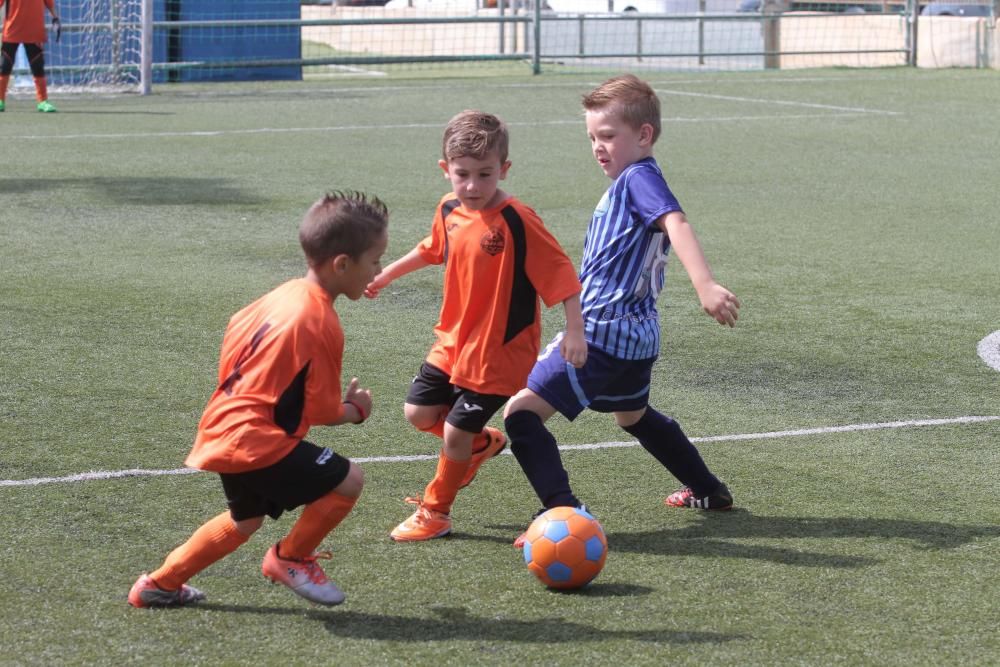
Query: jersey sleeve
{"points": [[434, 248], [650, 196], [548, 267]]}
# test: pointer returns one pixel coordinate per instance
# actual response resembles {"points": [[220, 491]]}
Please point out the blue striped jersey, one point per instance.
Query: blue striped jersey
{"points": [[624, 261]]}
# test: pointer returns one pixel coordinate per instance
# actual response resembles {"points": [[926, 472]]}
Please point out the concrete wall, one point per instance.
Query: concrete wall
{"points": [[951, 41]]}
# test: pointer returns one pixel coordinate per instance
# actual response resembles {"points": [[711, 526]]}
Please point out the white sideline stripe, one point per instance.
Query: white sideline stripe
{"points": [[845, 112], [792, 103], [137, 472], [989, 350], [456, 84]]}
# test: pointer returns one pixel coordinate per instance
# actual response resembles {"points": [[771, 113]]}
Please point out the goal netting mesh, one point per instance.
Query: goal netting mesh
{"points": [[100, 46]]}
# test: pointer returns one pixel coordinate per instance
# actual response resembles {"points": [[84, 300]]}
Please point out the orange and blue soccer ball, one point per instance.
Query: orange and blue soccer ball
{"points": [[565, 547]]}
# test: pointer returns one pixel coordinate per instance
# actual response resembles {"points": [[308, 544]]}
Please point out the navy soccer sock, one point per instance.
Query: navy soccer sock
{"points": [[538, 454], [662, 437]]}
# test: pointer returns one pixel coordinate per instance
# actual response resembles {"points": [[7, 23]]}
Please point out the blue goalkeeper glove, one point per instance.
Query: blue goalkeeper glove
{"points": [[57, 26]]}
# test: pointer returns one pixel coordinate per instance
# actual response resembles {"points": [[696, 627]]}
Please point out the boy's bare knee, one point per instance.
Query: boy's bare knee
{"points": [[626, 419], [353, 484], [248, 527], [529, 400], [422, 417]]}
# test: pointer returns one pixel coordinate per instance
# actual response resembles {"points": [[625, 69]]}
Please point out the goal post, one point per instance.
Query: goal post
{"points": [[128, 45]]}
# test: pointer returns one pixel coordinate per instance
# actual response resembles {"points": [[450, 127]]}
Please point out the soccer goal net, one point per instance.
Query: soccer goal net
{"points": [[100, 47]]}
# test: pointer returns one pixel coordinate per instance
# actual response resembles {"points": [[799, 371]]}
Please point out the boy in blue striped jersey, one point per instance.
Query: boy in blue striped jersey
{"points": [[636, 222]]}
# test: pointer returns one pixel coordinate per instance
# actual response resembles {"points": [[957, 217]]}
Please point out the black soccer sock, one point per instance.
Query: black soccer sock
{"points": [[662, 437], [538, 454]]}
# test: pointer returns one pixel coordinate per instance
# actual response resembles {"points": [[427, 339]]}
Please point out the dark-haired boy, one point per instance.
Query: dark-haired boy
{"points": [[279, 374]]}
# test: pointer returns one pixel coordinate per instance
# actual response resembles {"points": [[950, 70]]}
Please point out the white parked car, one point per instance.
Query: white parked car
{"points": [[468, 6], [640, 6]]}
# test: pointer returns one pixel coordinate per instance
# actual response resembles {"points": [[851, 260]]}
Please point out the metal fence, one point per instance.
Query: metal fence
{"points": [[282, 39]]}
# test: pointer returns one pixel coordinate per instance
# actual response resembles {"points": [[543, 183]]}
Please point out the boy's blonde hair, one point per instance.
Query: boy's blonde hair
{"points": [[629, 98], [342, 223], [475, 134]]}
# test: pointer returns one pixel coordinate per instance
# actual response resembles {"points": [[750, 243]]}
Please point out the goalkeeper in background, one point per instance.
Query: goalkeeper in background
{"points": [[24, 23]]}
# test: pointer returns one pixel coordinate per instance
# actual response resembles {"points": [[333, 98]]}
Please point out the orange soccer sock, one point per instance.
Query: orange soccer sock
{"points": [[4, 82], [215, 539], [440, 493], [41, 89], [318, 518]]}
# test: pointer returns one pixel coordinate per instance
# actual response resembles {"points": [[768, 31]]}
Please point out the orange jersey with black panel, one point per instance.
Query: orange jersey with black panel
{"points": [[499, 264], [279, 374], [25, 21]]}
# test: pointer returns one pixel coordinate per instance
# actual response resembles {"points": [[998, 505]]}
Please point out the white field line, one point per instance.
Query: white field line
{"points": [[837, 112], [989, 350], [420, 126], [136, 472], [791, 103], [452, 86], [457, 84]]}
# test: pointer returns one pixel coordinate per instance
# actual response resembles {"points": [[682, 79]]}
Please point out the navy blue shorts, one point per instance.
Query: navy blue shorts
{"points": [[306, 474], [604, 384], [467, 410]]}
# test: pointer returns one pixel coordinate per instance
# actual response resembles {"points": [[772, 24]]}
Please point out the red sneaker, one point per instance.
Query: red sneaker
{"points": [[145, 593], [720, 499]]}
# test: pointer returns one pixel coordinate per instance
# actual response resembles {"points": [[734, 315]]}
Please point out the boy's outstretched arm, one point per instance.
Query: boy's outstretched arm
{"points": [[573, 347], [408, 263], [715, 299]]}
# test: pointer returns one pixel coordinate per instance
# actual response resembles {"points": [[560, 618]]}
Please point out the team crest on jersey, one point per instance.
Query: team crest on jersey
{"points": [[492, 241]]}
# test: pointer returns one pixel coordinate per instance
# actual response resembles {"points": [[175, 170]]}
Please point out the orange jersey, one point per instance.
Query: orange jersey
{"points": [[279, 374], [25, 21], [498, 262]]}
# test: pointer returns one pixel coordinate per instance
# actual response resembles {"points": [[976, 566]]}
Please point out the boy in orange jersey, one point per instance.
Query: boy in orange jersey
{"points": [[499, 260], [25, 24], [279, 374]]}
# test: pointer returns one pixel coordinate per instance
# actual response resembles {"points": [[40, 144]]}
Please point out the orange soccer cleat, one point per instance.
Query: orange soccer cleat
{"points": [[304, 576], [424, 524], [145, 593], [495, 442]]}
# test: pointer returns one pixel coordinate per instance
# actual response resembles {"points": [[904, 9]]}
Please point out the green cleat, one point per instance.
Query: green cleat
{"points": [[2, 105], [46, 107]]}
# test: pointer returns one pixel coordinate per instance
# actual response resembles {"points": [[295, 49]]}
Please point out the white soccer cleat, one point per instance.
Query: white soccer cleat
{"points": [[305, 577]]}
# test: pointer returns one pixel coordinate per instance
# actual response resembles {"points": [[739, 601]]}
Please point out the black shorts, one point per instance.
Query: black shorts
{"points": [[306, 474], [467, 409]]}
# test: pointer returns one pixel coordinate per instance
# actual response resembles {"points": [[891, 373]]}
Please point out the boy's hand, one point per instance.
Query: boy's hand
{"points": [[721, 304], [376, 285], [57, 26], [360, 398], [573, 348]]}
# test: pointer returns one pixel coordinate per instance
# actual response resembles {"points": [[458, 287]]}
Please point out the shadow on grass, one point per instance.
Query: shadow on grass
{"points": [[160, 191], [707, 538], [455, 623], [475, 537]]}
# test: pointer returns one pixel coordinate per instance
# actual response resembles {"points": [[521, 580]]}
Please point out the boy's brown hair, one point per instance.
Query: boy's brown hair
{"points": [[475, 134], [628, 97], [342, 223]]}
